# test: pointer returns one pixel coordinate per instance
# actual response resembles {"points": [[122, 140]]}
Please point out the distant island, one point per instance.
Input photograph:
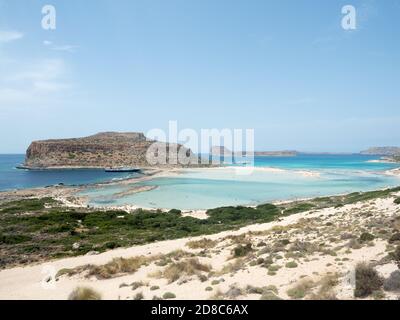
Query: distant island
{"points": [[389, 154], [276, 153], [102, 150], [223, 151], [382, 151]]}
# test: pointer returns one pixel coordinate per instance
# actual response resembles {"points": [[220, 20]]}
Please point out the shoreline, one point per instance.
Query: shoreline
{"points": [[29, 282], [69, 195]]}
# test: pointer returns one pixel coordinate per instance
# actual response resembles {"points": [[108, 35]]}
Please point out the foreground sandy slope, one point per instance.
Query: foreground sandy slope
{"points": [[302, 252]]}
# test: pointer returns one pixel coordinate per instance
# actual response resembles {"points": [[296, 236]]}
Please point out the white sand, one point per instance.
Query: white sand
{"points": [[28, 282]]}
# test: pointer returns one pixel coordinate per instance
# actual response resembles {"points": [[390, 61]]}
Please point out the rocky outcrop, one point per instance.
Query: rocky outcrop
{"points": [[108, 149], [382, 151]]}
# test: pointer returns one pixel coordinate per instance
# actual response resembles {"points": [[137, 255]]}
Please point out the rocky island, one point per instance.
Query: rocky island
{"points": [[389, 154], [382, 151], [106, 150], [223, 151]]}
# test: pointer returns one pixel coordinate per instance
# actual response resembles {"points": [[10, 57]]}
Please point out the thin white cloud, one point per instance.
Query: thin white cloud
{"points": [[8, 36], [65, 48], [34, 83]]}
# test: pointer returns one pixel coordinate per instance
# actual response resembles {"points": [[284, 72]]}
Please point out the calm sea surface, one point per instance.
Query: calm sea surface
{"points": [[203, 189], [12, 178]]}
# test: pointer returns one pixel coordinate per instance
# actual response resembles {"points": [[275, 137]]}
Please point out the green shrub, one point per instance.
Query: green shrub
{"points": [[291, 264], [301, 207], [269, 295], [301, 289], [153, 288], [138, 296], [27, 205], [255, 290], [135, 285], [241, 251], [365, 237], [397, 201], [14, 239], [273, 268], [395, 237], [367, 280], [169, 295], [396, 255]]}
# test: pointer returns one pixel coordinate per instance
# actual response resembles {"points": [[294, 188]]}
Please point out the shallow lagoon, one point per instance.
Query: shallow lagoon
{"points": [[203, 189], [209, 188]]}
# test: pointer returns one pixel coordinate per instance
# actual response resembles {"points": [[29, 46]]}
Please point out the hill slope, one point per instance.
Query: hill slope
{"points": [[107, 149]]}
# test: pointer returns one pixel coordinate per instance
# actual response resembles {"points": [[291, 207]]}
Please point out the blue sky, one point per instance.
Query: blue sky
{"points": [[284, 68]]}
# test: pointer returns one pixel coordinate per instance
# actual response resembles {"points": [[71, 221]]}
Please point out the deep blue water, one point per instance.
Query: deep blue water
{"points": [[11, 178]]}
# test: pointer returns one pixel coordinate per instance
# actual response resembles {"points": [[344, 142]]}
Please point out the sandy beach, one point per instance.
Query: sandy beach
{"points": [[229, 277]]}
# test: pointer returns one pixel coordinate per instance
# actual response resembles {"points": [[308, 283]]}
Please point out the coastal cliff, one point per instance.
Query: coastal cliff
{"points": [[107, 149]]}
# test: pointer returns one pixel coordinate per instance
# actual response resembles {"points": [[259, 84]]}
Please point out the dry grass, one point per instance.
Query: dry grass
{"points": [[202, 244], [188, 267], [115, 268], [301, 289], [326, 290], [233, 267], [218, 295], [84, 293]]}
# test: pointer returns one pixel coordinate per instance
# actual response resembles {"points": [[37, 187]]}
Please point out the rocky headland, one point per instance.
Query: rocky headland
{"points": [[107, 150]]}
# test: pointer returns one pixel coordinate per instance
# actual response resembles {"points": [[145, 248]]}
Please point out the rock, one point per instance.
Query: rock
{"points": [[103, 150], [233, 292], [92, 253], [76, 246], [382, 151], [393, 282]]}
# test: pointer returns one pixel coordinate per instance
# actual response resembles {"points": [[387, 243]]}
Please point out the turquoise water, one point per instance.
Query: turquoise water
{"points": [[209, 188], [203, 189], [11, 178]]}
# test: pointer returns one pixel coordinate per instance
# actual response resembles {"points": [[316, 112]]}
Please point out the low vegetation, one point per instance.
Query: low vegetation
{"points": [[188, 267], [169, 295], [84, 293], [367, 281], [301, 289], [34, 230], [112, 269], [393, 282], [242, 250], [201, 244]]}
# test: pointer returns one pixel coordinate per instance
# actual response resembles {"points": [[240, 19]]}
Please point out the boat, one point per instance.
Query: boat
{"points": [[122, 169]]}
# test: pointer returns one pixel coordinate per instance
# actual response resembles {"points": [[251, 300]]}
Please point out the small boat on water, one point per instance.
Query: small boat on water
{"points": [[122, 169]]}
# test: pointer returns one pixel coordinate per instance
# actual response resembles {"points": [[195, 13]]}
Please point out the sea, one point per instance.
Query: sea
{"points": [[197, 189], [12, 178]]}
